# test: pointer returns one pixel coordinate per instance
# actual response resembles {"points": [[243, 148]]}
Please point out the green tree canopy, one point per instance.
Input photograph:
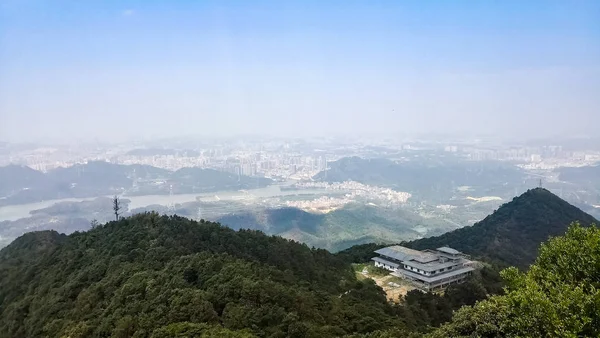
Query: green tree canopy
{"points": [[558, 297], [160, 276]]}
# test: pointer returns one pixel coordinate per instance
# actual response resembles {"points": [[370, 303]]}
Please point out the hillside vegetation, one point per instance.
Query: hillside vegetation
{"points": [[160, 276], [558, 297], [154, 276], [339, 229], [512, 234]]}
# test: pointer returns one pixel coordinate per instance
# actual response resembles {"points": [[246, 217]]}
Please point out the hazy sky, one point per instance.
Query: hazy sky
{"points": [[84, 69]]}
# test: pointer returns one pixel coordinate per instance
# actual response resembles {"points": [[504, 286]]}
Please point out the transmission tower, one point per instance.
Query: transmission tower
{"points": [[171, 206]]}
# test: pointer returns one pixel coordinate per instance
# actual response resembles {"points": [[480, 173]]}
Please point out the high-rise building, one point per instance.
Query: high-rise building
{"points": [[247, 169]]}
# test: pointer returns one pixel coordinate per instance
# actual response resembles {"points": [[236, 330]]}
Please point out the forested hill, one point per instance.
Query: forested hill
{"points": [[422, 177], [20, 184], [160, 276], [513, 233]]}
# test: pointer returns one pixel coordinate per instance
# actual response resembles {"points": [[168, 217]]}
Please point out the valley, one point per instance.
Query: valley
{"points": [[355, 201], [148, 275], [299, 169], [342, 216]]}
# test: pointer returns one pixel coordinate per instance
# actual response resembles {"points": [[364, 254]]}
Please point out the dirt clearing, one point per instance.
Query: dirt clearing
{"points": [[394, 287]]}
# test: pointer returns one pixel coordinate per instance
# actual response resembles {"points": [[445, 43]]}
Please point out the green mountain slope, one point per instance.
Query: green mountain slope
{"points": [[558, 297], [513, 233], [336, 230], [159, 276]]}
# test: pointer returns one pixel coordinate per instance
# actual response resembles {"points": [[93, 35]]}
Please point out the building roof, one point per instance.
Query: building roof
{"points": [[433, 266], [381, 260], [448, 250], [401, 253], [427, 260]]}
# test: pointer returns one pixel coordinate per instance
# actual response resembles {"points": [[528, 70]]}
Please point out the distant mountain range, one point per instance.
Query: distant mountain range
{"points": [[588, 176], [513, 233], [432, 180], [19, 184]]}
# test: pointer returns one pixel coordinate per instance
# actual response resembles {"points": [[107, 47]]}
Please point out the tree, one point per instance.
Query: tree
{"points": [[94, 223], [167, 276], [116, 207], [558, 297]]}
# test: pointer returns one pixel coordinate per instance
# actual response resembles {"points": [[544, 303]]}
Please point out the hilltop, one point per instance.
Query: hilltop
{"points": [[155, 276], [165, 276], [557, 297], [512, 234]]}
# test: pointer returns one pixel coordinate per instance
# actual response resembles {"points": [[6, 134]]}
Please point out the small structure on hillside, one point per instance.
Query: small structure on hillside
{"points": [[429, 270]]}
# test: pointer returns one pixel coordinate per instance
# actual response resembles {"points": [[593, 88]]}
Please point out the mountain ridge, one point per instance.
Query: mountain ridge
{"points": [[147, 275], [430, 178], [21, 184], [512, 234], [150, 276]]}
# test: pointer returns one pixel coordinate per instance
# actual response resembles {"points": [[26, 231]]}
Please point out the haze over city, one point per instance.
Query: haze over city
{"points": [[302, 169], [123, 69]]}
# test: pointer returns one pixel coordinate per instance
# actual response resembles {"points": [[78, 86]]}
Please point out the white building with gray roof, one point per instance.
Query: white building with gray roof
{"points": [[428, 269]]}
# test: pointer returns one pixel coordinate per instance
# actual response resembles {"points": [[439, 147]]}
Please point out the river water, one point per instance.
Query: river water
{"points": [[14, 212]]}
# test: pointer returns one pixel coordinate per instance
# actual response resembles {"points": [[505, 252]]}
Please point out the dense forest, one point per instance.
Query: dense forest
{"points": [[512, 234], [558, 297], [154, 276], [167, 276], [150, 275], [339, 229]]}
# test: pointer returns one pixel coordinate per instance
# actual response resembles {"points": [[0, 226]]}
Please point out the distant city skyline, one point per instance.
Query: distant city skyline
{"points": [[122, 70]]}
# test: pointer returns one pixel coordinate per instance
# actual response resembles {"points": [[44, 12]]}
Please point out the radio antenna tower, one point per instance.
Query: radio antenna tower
{"points": [[171, 205]]}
